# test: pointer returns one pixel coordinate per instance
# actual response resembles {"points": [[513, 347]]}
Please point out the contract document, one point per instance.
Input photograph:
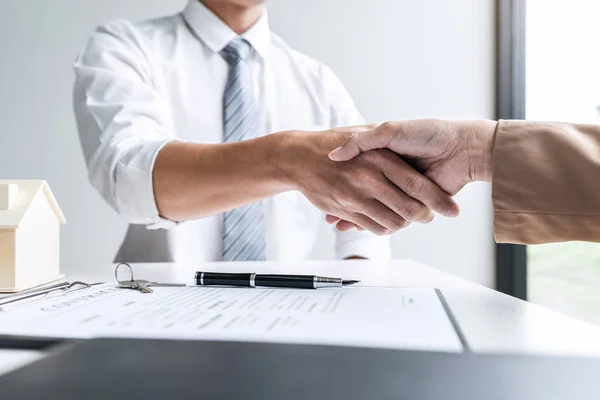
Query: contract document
{"points": [[402, 318]]}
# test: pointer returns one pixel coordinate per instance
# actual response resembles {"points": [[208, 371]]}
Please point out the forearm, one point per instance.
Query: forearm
{"points": [[193, 180]]}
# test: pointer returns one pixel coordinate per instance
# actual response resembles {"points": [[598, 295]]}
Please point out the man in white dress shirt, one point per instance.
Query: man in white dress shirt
{"points": [[173, 116]]}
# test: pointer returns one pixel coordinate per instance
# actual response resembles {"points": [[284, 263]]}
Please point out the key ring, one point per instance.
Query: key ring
{"points": [[117, 273]]}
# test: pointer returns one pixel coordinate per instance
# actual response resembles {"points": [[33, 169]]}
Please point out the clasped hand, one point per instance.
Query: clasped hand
{"points": [[375, 190], [425, 162]]}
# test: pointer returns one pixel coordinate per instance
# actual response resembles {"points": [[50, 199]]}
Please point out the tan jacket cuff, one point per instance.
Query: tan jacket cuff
{"points": [[545, 184]]}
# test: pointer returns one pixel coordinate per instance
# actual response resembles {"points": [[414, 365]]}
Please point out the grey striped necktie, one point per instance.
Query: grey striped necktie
{"points": [[243, 227]]}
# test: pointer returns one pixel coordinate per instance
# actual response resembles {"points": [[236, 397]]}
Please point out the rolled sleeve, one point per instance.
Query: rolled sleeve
{"points": [[123, 122], [134, 190]]}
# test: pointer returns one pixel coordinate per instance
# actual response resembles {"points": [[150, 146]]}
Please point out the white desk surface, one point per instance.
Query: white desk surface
{"points": [[491, 321], [13, 359]]}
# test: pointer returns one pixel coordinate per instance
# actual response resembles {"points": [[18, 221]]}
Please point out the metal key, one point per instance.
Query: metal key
{"points": [[144, 286], [139, 285], [159, 284]]}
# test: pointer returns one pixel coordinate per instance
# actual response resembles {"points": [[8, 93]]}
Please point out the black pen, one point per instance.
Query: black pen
{"points": [[274, 280]]}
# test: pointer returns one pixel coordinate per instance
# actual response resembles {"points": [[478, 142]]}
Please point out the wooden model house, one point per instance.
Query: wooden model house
{"points": [[30, 222]]}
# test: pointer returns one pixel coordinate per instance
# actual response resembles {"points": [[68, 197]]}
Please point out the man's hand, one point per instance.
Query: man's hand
{"points": [[377, 190], [451, 154]]}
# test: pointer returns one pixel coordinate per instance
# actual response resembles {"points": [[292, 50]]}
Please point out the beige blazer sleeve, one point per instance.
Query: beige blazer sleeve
{"points": [[546, 182]]}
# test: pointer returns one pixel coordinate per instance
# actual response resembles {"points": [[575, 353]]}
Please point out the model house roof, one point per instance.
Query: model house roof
{"points": [[21, 200]]}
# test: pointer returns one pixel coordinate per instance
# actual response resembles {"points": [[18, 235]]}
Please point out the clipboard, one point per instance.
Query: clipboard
{"points": [[32, 342]]}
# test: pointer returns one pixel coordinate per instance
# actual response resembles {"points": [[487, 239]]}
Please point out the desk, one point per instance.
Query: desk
{"points": [[492, 322]]}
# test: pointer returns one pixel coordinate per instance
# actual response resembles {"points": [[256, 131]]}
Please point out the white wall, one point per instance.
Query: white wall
{"points": [[399, 59]]}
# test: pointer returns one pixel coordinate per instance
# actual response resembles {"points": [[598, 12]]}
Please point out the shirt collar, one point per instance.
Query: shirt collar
{"points": [[216, 34]]}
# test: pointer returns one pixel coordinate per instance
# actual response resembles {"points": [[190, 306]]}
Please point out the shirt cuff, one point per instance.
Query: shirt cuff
{"points": [[362, 244], [135, 189]]}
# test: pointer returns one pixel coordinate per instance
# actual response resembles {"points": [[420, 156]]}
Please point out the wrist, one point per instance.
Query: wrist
{"points": [[301, 155], [481, 150], [283, 157], [488, 137]]}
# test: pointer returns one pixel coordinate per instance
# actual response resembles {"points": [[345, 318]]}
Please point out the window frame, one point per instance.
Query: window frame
{"points": [[511, 259]]}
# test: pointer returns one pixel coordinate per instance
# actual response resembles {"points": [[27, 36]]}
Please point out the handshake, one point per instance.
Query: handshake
{"points": [[383, 178]]}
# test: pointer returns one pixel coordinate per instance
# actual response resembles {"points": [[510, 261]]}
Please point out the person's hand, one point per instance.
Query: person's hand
{"points": [[449, 153], [377, 190]]}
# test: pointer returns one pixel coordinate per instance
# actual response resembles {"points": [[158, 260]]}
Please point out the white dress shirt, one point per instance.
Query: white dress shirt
{"points": [[141, 85]]}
